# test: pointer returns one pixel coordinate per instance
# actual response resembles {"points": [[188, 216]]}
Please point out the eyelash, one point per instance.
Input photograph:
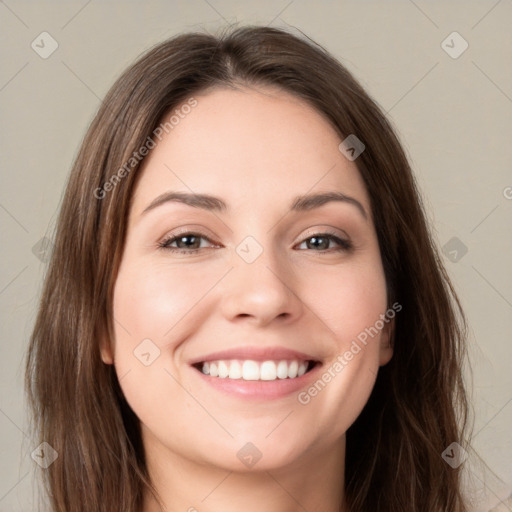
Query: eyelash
{"points": [[345, 245]]}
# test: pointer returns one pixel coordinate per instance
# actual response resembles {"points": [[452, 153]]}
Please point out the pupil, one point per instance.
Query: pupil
{"points": [[186, 237], [316, 238]]}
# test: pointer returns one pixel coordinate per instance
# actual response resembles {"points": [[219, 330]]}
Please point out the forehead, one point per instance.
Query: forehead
{"points": [[258, 147]]}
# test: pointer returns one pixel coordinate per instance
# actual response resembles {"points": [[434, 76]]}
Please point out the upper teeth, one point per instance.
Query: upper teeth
{"points": [[255, 370]]}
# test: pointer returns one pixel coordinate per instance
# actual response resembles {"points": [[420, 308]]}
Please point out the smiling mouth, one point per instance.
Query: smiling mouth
{"points": [[251, 370]]}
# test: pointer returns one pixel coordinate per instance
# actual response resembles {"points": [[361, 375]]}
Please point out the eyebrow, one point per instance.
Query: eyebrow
{"points": [[216, 204]]}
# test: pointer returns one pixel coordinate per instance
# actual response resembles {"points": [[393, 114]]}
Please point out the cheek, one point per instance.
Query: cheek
{"points": [[350, 299], [151, 301], [350, 302], [155, 308]]}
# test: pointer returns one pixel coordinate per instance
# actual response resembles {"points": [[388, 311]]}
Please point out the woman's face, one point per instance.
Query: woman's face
{"points": [[255, 288]]}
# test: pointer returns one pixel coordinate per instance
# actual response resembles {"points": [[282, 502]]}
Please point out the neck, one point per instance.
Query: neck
{"points": [[313, 482]]}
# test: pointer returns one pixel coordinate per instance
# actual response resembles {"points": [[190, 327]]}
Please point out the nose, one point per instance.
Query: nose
{"points": [[262, 291]]}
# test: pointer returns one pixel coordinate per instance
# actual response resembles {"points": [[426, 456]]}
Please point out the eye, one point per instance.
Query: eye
{"points": [[323, 240], [187, 242]]}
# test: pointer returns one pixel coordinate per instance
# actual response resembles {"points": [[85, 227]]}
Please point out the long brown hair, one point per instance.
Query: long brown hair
{"points": [[419, 403]]}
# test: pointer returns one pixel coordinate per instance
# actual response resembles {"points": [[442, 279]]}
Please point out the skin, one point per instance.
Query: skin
{"points": [[256, 149]]}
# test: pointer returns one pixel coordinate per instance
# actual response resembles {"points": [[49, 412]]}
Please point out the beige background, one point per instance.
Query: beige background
{"points": [[453, 115]]}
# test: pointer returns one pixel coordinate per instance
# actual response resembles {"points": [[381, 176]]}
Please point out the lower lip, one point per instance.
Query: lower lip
{"points": [[260, 389]]}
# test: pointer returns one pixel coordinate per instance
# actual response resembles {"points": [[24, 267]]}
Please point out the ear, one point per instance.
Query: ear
{"points": [[386, 343], [106, 352]]}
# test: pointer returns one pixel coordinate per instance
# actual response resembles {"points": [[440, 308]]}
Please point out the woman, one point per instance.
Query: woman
{"points": [[303, 351]]}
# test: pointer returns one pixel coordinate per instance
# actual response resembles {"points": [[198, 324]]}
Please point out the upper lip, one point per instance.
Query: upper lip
{"points": [[274, 353]]}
